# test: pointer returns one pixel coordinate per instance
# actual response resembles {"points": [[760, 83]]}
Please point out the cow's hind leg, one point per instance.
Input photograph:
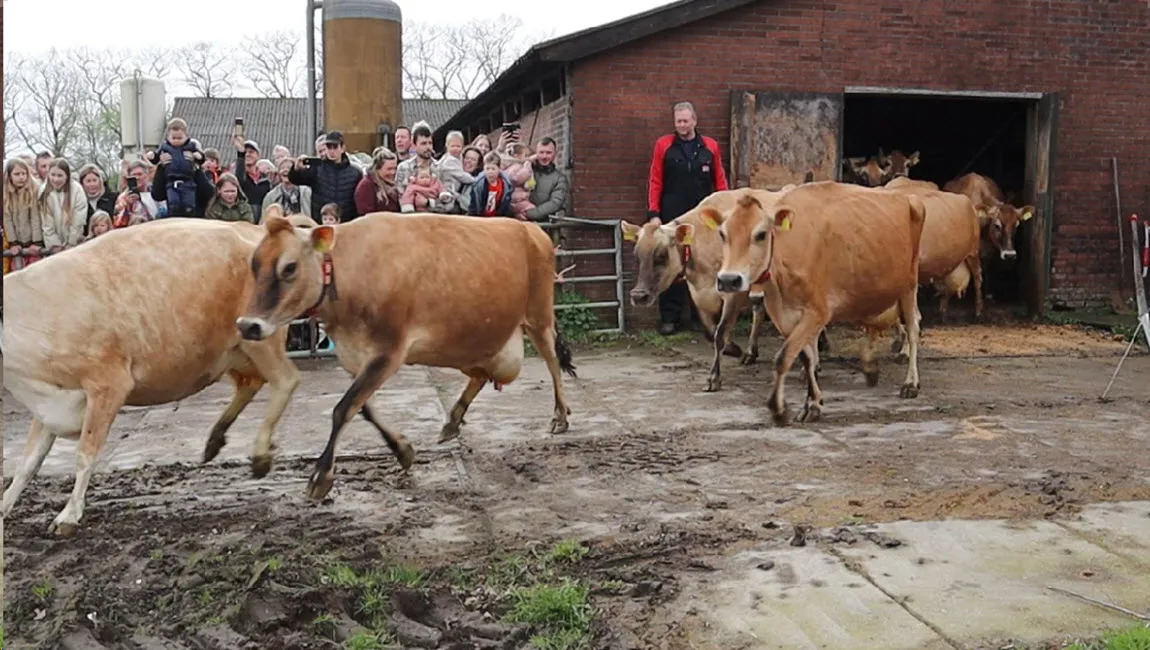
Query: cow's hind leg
{"points": [[813, 409], [908, 308], [869, 363], [804, 334], [369, 379], [555, 351], [397, 442], [246, 388], [476, 381], [36, 449], [104, 401], [975, 267]]}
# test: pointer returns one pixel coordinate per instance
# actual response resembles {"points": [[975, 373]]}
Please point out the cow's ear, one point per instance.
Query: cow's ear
{"points": [[630, 231], [912, 160], [275, 224], [685, 234], [322, 239], [783, 218], [274, 210], [1026, 213], [711, 217]]}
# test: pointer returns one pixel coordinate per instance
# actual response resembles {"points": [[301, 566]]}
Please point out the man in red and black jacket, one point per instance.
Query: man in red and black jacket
{"points": [[685, 168]]}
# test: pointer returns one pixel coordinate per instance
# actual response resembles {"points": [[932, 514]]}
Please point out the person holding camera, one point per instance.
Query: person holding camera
{"points": [[332, 178], [254, 183], [137, 203]]}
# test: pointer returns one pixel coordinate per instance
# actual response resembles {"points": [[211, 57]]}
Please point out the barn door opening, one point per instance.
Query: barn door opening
{"points": [[780, 137], [1042, 125]]}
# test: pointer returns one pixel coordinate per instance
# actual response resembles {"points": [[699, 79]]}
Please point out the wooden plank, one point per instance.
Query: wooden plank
{"points": [[1041, 150], [784, 136]]}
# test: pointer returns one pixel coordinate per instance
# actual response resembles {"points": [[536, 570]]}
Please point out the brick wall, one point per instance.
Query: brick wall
{"points": [[1096, 54], [549, 120]]}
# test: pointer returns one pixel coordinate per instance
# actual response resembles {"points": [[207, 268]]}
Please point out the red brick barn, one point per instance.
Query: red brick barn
{"points": [[1037, 95]]}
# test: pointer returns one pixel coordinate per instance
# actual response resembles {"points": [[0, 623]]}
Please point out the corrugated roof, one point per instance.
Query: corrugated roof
{"points": [[272, 121]]}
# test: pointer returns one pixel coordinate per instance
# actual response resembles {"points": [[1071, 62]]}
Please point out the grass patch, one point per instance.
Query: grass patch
{"points": [[1136, 637], [560, 614], [576, 323]]}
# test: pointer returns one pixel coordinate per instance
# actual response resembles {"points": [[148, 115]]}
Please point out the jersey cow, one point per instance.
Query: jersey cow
{"points": [[950, 242], [139, 316], [412, 289], [825, 252], [684, 251], [998, 218]]}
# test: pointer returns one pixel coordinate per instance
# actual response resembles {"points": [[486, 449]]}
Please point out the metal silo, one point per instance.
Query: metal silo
{"points": [[362, 70]]}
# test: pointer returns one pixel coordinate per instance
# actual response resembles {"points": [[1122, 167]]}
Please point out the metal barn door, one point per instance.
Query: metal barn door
{"points": [[779, 138], [1042, 127]]}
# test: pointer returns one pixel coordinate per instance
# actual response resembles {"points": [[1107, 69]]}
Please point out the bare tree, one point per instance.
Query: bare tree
{"points": [[50, 105], [271, 63], [458, 61], [318, 60], [207, 68]]}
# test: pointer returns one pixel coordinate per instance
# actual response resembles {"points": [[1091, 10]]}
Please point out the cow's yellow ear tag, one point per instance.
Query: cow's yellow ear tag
{"points": [[786, 224]]}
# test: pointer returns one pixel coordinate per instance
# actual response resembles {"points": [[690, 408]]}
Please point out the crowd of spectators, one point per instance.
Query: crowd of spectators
{"points": [[48, 207]]}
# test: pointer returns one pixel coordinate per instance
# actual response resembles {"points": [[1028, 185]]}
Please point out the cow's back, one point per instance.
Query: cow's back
{"points": [[161, 297], [437, 278], [950, 233], [981, 190], [856, 246]]}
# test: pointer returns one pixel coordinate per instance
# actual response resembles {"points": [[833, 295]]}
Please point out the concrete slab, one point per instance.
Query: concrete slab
{"points": [[1121, 528], [979, 580], [807, 600]]}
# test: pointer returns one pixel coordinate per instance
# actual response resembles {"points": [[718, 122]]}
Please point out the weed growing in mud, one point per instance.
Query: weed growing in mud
{"points": [[364, 641], [1136, 637], [561, 613]]}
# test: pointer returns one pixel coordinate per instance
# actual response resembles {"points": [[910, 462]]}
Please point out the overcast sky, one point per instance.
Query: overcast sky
{"points": [[31, 25]]}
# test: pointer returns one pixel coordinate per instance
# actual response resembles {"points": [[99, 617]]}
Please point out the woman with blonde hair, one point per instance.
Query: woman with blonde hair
{"points": [[377, 191], [22, 227], [63, 208]]}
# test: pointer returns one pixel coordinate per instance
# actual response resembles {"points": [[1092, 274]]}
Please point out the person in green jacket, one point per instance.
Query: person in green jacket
{"points": [[229, 203]]}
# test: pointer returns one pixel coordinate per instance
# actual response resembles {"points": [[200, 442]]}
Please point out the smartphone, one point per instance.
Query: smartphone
{"points": [[132, 187], [512, 129], [239, 128], [311, 160]]}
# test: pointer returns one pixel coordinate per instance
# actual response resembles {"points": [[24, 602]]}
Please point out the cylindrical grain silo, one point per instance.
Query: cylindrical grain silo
{"points": [[362, 70]]}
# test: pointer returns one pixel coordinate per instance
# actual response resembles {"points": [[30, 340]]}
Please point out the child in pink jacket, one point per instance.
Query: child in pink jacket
{"points": [[522, 179], [421, 193]]}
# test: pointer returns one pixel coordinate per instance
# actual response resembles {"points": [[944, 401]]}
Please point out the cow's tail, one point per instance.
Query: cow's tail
{"points": [[563, 351]]}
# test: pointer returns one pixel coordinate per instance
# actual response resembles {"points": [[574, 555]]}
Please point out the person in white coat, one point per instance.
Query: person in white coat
{"points": [[63, 208]]}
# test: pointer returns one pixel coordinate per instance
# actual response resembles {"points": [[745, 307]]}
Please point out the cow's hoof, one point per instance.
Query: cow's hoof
{"points": [[405, 454], [811, 413], [559, 425], [781, 417], [62, 529], [450, 431], [732, 349], [261, 465], [714, 384], [212, 449], [871, 378], [319, 485], [749, 358], [908, 391]]}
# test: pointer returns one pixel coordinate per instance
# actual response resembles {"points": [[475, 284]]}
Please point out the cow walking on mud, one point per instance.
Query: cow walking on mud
{"points": [[825, 252], [998, 219], [396, 290], [140, 316]]}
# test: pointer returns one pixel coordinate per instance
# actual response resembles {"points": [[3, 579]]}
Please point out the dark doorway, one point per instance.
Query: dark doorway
{"points": [[954, 135]]}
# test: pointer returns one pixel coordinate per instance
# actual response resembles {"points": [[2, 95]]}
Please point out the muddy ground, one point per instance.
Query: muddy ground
{"points": [[505, 534]]}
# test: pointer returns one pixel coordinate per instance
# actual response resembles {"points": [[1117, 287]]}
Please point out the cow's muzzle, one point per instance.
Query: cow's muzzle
{"points": [[731, 282], [1008, 255], [253, 329], [642, 297]]}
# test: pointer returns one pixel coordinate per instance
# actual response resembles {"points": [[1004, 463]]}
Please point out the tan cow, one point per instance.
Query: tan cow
{"points": [[999, 219], [139, 316], [681, 251], [434, 290], [898, 164], [868, 171], [950, 242], [826, 252]]}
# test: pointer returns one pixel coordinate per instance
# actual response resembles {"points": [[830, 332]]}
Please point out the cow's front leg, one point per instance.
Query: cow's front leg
{"points": [[804, 334], [450, 429], [727, 318]]}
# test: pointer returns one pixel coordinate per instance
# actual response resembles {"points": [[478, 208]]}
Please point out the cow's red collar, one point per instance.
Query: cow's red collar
{"points": [[766, 275], [328, 286], [686, 256]]}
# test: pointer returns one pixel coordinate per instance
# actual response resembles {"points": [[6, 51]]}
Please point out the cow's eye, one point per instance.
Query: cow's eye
{"points": [[761, 236], [289, 270], [661, 258]]}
